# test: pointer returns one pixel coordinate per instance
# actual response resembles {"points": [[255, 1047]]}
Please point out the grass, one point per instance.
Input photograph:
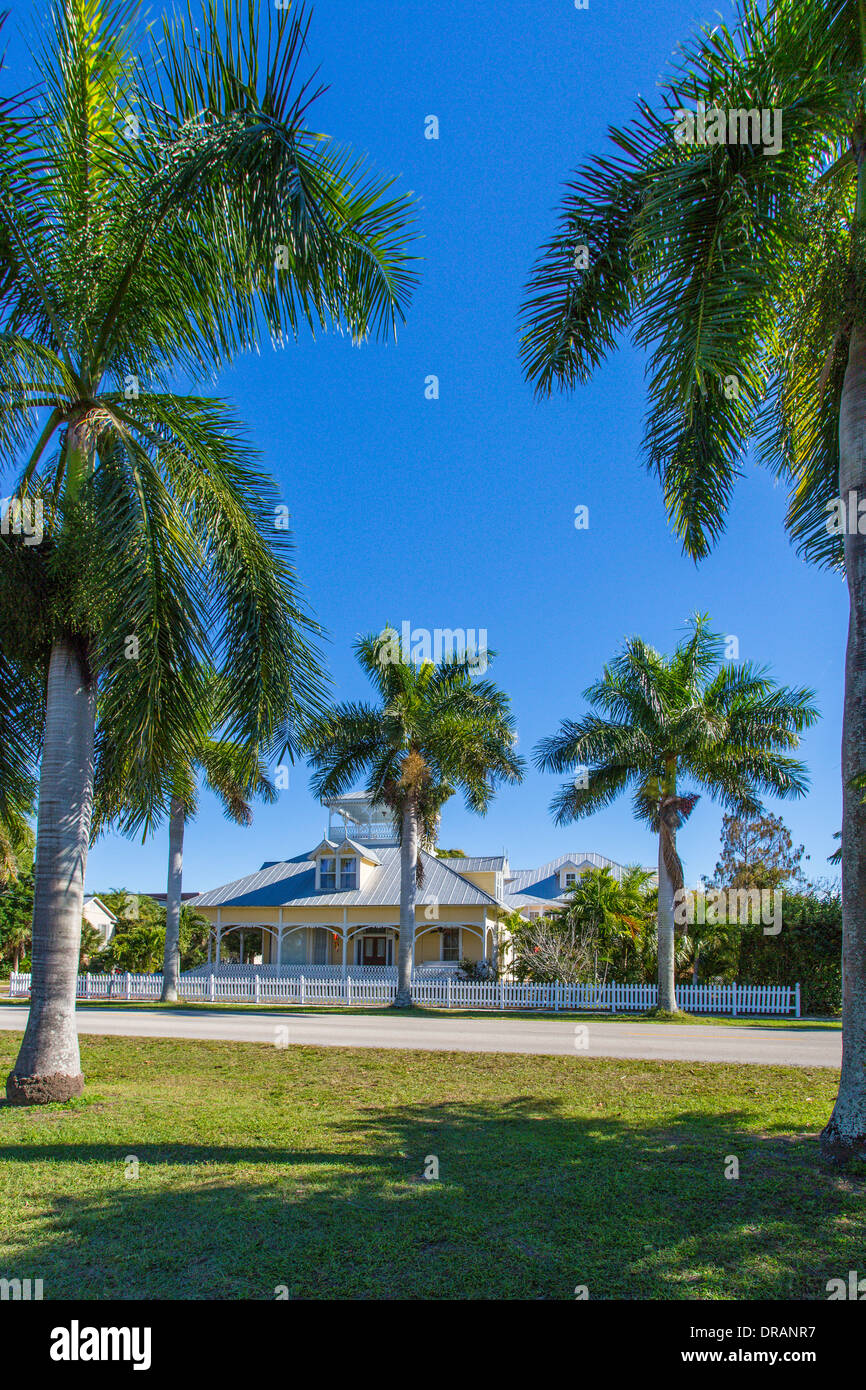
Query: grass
{"points": [[304, 1168]]}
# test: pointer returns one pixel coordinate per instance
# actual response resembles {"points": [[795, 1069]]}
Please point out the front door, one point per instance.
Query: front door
{"points": [[374, 950]]}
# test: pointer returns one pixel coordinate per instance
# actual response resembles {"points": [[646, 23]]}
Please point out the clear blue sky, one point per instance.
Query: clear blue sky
{"points": [[459, 512]]}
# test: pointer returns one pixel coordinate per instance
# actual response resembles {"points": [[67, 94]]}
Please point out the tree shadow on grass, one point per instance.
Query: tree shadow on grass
{"points": [[529, 1203]]}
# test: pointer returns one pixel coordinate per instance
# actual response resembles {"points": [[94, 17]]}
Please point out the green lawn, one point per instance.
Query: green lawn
{"points": [[261, 1167]]}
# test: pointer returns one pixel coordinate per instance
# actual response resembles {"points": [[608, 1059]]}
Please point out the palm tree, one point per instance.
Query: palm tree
{"points": [[659, 720], [437, 729], [233, 771], [130, 253], [742, 270]]}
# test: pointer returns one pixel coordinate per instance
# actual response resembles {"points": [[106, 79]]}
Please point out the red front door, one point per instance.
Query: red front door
{"points": [[374, 950]]}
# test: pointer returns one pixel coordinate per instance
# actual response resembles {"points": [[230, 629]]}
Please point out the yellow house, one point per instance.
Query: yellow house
{"points": [[337, 906]]}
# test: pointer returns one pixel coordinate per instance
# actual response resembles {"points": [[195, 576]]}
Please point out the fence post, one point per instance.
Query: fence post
{"points": [[556, 997], [256, 977], [797, 998], [87, 985], [127, 991], [303, 990], [211, 992], [448, 996], [734, 999], [348, 989], [502, 995]]}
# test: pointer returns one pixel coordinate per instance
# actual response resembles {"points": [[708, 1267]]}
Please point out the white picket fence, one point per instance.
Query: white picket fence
{"points": [[254, 988]]}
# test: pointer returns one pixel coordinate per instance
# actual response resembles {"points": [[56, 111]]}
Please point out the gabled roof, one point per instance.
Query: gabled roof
{"points": [[544, 881], [292, 883], [337, 846], [94, 898]]}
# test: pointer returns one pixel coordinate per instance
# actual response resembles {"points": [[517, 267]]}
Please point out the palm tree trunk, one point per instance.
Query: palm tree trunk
{"points": [[48, 1067], [171, 962], [408, 896], [697, 956], [667, 992], [845, 1135]]}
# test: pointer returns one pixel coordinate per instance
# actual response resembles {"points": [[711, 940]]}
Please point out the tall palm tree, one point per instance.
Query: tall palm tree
{"points": [[660, 721], [159, 209], [437, 729], [742, 269], [232, 770]]}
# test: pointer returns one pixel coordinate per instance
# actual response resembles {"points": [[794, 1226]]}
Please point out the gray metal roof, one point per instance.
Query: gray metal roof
{"points": [[516, 902], [544, 881], [480, 864], [292, 883]]}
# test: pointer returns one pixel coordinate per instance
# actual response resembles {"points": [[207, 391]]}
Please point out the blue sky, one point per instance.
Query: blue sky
{"points": [[459, 512]]}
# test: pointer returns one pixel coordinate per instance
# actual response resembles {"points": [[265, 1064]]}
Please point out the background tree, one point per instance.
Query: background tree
{"points": [[232, 770], [726, 728], [740, 267], [131, 251], [758, 852], [16, 920], [437, 729]]}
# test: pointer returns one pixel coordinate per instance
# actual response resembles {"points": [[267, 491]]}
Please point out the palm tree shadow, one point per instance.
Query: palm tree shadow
{"points": [[510, 1201]]}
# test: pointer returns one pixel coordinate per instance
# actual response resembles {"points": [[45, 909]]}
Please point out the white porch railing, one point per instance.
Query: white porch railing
{"points": [[378, 985]]}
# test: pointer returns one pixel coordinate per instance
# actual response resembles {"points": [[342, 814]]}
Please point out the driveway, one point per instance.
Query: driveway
{"points": [[768, 1046]]}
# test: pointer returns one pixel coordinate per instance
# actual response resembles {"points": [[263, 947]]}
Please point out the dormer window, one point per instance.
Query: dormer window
{"points": [[327, 874], [570, 879], [348, 874]]}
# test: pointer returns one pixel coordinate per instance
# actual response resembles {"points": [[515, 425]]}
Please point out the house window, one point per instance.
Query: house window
{"points": [[348, 875], [570, 880], [451, 943], [328, 875]]}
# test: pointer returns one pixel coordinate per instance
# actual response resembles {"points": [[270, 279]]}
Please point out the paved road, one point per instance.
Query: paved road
{"points": [[556, 1037]]}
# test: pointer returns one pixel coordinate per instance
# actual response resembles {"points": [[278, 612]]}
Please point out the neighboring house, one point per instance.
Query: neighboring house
{"points": [[533, 892], [99, 916], [338, 904]]}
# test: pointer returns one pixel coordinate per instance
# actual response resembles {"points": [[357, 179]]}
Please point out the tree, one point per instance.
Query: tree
{"points": [[600, 916], [16, 917], [736, 255], [437, 729], [127, 256], [727, 728], [232, 770], [234, 773], [450, 853], [757, 852]]}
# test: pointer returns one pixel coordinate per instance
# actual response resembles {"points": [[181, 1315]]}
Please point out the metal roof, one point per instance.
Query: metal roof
{"points": [[292, 883], [491, 863], [518, 901], [544, 881]]}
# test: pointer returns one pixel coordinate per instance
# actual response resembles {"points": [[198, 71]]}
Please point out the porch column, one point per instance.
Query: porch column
{"points": [[241, 951], [219, 932], [280, 939], [345, 942]]}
